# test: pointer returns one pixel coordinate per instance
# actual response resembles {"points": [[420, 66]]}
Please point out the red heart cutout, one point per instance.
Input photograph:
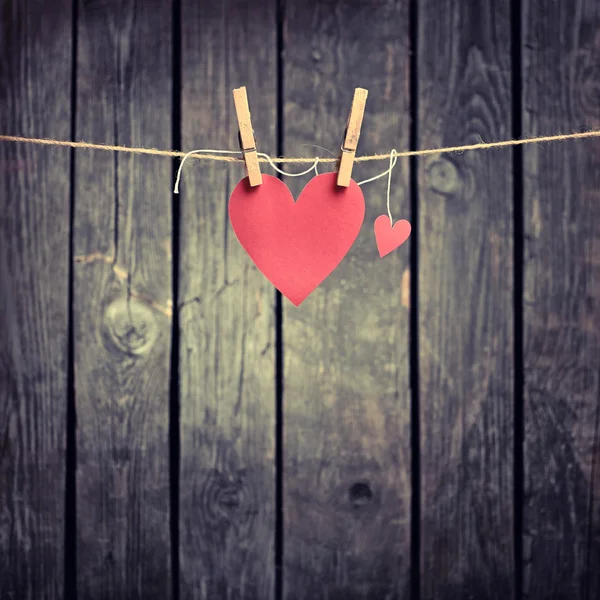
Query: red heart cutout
{"points": [[296, 245], [388, 238]]}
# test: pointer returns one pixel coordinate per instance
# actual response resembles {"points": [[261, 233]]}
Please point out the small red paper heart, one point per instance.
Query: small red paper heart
{"points": [[296, 245], [388, 238]]}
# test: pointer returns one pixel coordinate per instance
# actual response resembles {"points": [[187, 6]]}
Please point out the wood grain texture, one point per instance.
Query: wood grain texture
{"points": [[561, 79], [346, 347], [465, 302], [122, 301], [34, 272], [227, 356]]}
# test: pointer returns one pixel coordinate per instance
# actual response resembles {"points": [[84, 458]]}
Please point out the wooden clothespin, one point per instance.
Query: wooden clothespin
{"points": [[346, 161], [246, 135]]}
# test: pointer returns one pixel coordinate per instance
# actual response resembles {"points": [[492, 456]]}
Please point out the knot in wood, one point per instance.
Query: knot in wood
{"points": [[130, 325], [442, 176], [228, 501], [586, 79], [360, 494]]}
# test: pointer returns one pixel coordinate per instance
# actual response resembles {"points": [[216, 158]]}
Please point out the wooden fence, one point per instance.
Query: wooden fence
{"points": [[424, 425]]}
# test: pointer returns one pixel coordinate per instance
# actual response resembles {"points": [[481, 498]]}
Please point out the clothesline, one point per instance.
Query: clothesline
{"points": [[298, 160]]}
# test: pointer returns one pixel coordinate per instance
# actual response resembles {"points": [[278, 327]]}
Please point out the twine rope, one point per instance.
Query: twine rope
{"points": [[266, 156], [212, 154], [388, 172]]}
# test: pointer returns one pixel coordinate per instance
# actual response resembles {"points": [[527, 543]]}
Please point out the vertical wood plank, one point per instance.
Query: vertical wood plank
{"points": [[561, 540], [227, 374], [122, 301], [346, 347], [35, 100], [465, 301]]}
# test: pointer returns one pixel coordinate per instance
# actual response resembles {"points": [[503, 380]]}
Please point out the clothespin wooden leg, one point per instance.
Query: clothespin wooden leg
{"points": [[247, 142], [351, 136]]}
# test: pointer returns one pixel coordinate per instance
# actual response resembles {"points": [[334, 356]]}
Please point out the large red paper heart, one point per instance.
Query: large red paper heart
{"points": [[296, 245], [388, 238]]}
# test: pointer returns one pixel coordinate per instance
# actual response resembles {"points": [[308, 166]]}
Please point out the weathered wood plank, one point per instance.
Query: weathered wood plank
{"points": [[122, 301], [346, 348], [465, 302], [34, 272], [561, 539], [227, 374]]}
